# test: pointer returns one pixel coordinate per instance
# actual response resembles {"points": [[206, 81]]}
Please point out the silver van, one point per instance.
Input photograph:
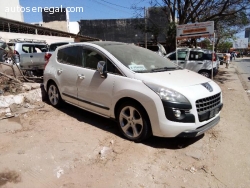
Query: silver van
{"points": [[29, 54], [197, 60]]}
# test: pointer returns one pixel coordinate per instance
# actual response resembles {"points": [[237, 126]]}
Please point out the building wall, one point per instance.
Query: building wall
{"points": [[58, 25], [9, 9], [122, 30], [247, 33], [126, 30]]}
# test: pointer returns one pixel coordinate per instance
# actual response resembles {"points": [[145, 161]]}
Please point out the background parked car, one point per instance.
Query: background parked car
{"points": [[221, 57], [197, 60], [29, 55]]}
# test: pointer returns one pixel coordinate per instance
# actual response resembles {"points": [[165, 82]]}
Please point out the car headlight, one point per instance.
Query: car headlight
{"points": [[167, 94]]}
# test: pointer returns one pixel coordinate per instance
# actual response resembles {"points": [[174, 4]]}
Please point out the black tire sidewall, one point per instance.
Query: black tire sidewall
{"points": [[209, 74]]}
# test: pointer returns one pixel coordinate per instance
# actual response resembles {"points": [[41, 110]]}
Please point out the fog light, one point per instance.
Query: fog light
{"points": [[177, 113]]}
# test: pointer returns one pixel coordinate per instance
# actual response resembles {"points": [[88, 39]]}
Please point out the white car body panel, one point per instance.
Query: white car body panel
{"points": [[108, 91]]}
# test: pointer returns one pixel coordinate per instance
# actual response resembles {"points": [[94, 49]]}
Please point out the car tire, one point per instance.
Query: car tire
{"points": [[205, 73], [54, 95], [133, 122]]}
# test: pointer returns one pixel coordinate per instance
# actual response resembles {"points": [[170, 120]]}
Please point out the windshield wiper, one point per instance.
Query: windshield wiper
{"points": [[164, 69], [142, 71]]}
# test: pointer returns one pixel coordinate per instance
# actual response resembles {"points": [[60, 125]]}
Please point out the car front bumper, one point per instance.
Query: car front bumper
{"points": [[200, 130]]}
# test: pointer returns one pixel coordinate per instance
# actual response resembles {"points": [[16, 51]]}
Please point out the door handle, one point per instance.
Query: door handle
{"points": [[182, 62], [200, 63], [81, 76], [31, 56], [59, 71]]}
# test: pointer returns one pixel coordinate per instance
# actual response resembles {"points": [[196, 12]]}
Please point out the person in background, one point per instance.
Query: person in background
{"points": [[231, 56], [234, 55], [228, 57]]}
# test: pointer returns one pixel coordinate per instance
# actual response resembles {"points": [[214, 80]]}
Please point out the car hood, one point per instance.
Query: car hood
{"points": [[173, 79]]}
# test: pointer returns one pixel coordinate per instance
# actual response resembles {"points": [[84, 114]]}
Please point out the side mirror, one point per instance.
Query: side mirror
{"points": [[101, 69]]}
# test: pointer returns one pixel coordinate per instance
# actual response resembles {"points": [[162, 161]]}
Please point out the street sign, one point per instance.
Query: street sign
{"points": [[195, 30], [240, 43]]}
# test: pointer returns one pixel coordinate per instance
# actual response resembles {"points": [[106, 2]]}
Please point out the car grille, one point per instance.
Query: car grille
{"points": [[208, 103]]}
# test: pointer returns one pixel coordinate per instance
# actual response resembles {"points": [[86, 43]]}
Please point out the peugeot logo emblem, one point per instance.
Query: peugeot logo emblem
{"points": [[208, 86]]}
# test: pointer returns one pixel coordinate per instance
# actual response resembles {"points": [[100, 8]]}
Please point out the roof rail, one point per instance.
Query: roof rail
{"points": [[27, 40]]}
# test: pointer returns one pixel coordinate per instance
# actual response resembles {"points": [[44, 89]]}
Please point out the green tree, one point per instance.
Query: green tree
{"points": [[229, 16]]}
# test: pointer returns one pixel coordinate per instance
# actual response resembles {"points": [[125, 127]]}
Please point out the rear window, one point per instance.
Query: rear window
{"points": [[53, 47], [207, 57], [12, 45], [196, 55]]}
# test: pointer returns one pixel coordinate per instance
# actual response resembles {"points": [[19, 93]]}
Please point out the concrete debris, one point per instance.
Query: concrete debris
{"points": [[33, 96], [192, 170], [59, 172], [26, 87], [105, 152], [6, 101], [9, 115]]}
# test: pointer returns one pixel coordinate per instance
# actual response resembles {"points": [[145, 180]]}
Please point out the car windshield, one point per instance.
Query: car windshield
{"points": [[139, 59]]}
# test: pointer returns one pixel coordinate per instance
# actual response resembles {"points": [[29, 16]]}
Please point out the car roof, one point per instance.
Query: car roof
{"points": [[107, 43], [61, 42], [29, 43]]}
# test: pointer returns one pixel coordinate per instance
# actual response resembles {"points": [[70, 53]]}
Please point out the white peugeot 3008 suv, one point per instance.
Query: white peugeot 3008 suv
{"points": [[146, 93]]}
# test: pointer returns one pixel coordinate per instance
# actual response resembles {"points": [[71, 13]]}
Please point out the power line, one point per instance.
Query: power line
{"points": [[115, 4], [110, 7]]}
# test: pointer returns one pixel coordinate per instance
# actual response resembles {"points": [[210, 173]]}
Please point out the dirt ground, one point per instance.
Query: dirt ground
{"points": [[72, 148]]}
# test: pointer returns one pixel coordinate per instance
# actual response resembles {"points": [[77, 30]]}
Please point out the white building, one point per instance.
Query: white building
{"points": [[74, 27], [11, 9]]}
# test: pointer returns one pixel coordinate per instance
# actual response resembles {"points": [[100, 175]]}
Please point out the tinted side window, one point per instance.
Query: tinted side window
{"points": [[70, 55], [172, 56], [91, 59], [39, 48], [26, 48], [111, 68], [196, 55], [182, 55]]}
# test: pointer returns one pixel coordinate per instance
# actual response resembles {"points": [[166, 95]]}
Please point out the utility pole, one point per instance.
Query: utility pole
{"points": [[145, 17]]}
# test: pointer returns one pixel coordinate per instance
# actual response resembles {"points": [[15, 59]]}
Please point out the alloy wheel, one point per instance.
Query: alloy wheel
{"points": [[131, 122]]}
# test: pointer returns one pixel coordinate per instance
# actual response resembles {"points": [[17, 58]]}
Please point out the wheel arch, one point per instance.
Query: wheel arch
{"points": [[50, 81], [205, 70], [126, 99]]}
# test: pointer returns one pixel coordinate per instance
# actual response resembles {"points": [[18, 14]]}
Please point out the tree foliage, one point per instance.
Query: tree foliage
{"points": [[229, 16]]}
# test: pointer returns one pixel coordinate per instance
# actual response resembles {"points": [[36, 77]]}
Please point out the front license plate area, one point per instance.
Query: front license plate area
{"points": [[213, 112]]}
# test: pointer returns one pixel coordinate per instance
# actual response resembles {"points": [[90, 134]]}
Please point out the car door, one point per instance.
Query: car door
{"points": [[37, 56], [195, 61], [69, 61], [94, 91], [25, 53], [182, 55]]}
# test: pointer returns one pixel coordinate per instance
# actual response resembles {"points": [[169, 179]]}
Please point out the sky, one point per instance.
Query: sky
{"points": [[92, 9]]}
